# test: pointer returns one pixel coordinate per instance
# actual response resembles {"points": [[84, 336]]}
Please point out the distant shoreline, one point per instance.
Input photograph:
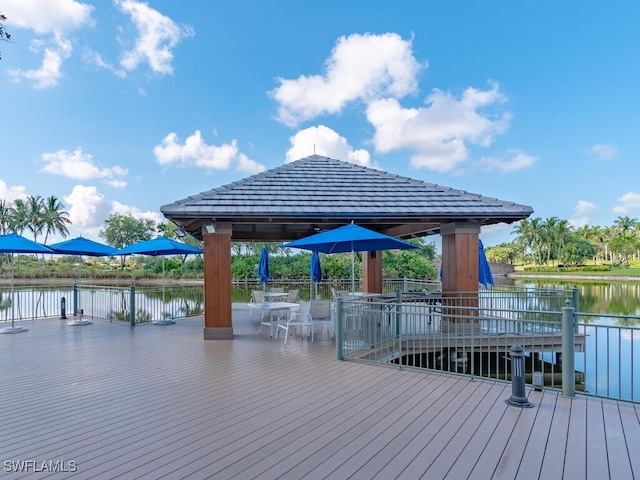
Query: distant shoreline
{"points": [[570, 277]]}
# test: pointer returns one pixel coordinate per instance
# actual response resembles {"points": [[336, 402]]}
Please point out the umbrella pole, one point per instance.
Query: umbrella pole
{"points": [[163, 280], [353, 272], [12, 302]]}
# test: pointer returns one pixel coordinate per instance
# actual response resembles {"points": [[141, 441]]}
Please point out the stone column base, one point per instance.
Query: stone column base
{"points": [[219, 333]]}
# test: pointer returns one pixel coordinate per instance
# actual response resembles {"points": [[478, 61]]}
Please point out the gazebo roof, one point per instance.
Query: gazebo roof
{"points": [[318, 193]]}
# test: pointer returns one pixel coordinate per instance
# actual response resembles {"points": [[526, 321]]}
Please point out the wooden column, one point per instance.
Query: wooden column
{"points": [[460, 276], [217, 283], [372, 272]]}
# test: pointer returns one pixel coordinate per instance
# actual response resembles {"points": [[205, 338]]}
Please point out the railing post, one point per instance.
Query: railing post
{"points": [[568, 352], [339, 328], [75, 298], [132, 302], [406, 284], [576, 304], [398, 311]]}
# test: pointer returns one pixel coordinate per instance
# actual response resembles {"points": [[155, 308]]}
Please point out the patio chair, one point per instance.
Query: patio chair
{"points": [[277, 289], [321, 315], [257, 296], [299, 318], [293, 296]]}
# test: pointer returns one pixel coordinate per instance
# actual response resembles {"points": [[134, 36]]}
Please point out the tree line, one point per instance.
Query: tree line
{"points": [[555, 242]]}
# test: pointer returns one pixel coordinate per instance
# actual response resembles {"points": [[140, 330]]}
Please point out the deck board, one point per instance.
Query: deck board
{"points": [[161, 402]]}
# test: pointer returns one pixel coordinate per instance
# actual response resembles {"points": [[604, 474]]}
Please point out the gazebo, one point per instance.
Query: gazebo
{"points": [[318, 193]]}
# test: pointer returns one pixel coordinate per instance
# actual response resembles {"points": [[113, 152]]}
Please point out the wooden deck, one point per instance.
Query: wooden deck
{"points": [[160, 402]]}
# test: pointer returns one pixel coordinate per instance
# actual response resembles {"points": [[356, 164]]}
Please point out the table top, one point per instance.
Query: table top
{"points": [[273, 305]]}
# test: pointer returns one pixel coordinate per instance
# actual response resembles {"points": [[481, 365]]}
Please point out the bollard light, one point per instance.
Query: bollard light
{"points": [[63, 308], [518, 395]]}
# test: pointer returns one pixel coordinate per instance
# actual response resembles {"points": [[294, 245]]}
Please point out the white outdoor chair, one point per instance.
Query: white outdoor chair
{"points": [[321, 316], [293, 296], [299, 318], [257, 296]]}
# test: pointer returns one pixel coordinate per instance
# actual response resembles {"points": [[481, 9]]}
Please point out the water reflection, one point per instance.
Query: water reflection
{"points": [[616, 298]]}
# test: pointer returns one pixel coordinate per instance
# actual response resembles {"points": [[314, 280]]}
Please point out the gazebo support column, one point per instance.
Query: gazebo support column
{"points": [[217, 283], [460, 277], [372, 272]]}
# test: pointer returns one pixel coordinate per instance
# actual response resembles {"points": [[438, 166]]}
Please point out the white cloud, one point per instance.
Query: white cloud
{"points": [[10, 194], [157, 36], [581, 212], [95, 58], [603, 151], [122, 209], [195, 152], [57, 17], [514, 160], [87, 206], [497, 227], [47, 17], [630, 201], [49, 72], [79, 166], [440, 132], [246, 165], [361, 67], [324, 141]]}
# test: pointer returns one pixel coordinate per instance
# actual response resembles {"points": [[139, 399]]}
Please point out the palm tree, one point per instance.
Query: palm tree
{"points": [[562, 237], [5, 217], [56, 218], [18, 216], [625, 225], [35, 215]]}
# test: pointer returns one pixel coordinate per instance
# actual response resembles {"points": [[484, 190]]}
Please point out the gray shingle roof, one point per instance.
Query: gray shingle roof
{"points": [[299, 198]]}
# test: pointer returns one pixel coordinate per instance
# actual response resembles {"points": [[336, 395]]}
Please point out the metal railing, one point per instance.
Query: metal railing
{"points": [[127, 304], [473, 335]]}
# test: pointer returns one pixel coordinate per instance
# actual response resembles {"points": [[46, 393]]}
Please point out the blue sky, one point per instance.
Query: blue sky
{"points": [[121, 106]]}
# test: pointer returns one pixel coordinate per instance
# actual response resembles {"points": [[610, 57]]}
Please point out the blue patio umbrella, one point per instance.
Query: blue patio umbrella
{"points": [[263, 267], [315, 270], [14, 243], [82, 246], [160, 246], [350, 238], [484, 271]]}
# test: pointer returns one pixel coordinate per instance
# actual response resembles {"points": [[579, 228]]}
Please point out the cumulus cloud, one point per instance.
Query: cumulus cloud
{"points": [[246, 165], [87, 206], [581, 213], [603, 151], [127, 210], [514, 160], [439, 133], [195, 152], [48, 17], [80, 166], [157, 36], [630, 201], [49, 73], [324, 141], [45, 17], [11, 193], [361, 67]]}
